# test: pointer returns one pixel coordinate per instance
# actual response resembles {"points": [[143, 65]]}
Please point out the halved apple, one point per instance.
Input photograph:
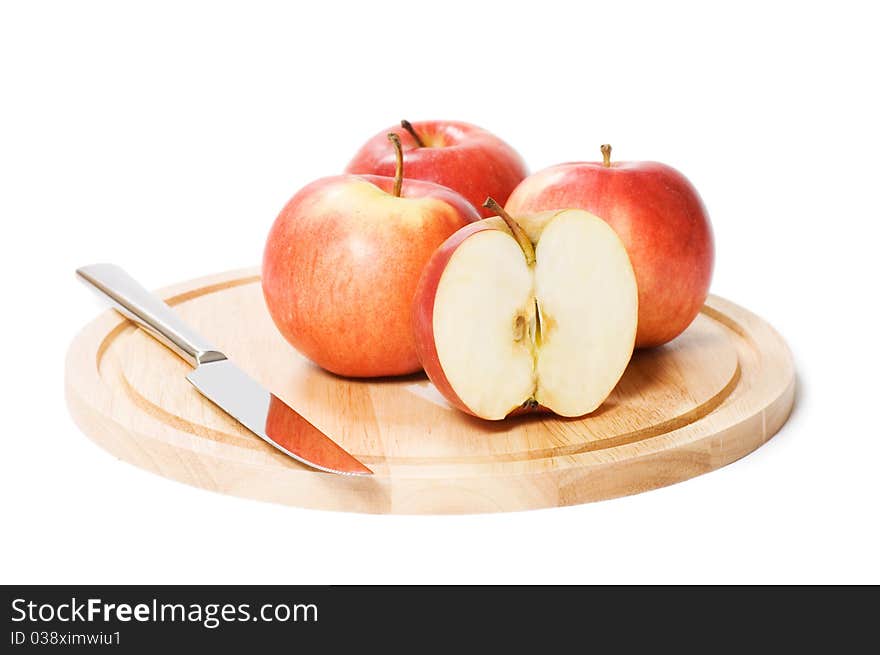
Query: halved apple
{"points": [[534, 312]]}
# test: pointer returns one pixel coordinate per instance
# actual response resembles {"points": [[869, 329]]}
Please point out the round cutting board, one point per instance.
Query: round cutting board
{"points": [[711, 396]]}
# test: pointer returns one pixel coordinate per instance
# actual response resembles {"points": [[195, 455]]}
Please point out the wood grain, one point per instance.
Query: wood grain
{"points": [[708, 398]]}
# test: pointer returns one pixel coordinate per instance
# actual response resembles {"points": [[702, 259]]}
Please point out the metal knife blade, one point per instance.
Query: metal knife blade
{"points": [[271, 419], [221, 381]]}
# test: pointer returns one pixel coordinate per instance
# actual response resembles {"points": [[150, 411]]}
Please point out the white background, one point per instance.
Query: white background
{"points": [[166, 137]]}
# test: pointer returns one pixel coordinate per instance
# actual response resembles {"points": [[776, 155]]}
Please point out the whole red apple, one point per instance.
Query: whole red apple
{"points": [[660, 218], [342, 262], [463, 157]]}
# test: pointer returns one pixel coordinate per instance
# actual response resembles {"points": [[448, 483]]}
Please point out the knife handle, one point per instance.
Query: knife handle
{"points": [[149, 312]]}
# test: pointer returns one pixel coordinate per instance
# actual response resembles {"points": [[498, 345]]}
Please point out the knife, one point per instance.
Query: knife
{"points": [[218, 379]]}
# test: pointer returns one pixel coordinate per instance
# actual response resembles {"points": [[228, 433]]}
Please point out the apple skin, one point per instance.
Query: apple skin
{"points": [[341, 265], [659, 217], [463, 157]]}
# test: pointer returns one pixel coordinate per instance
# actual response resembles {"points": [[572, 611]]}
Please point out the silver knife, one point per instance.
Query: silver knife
{"points": [[218, 379]]}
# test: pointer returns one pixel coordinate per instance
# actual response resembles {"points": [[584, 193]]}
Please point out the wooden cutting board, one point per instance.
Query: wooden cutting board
{"points": [[713, 395]]}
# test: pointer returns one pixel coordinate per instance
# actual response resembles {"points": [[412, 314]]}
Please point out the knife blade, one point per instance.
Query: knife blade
{"points": [[219, 380]]}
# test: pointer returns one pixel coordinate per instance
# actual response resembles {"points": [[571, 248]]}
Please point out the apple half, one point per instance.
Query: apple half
{"points": [[520, 314]]}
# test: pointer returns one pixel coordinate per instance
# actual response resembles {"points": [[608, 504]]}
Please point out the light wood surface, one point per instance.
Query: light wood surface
{"points": [[708, 398]]}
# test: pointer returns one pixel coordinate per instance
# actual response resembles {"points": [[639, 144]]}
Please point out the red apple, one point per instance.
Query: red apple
{"points": [[342, 262], [457, 155], [661, 220], [534, 312]]}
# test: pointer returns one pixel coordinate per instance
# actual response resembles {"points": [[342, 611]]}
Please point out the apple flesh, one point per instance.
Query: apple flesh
{"points": [[341, 265], [497, 333], [463, 157], [661, 220]]}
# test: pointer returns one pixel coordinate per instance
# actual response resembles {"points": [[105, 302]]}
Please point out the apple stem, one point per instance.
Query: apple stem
{"points": [[405, 124], [518, 233], [398, 170], [606, 155]]}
